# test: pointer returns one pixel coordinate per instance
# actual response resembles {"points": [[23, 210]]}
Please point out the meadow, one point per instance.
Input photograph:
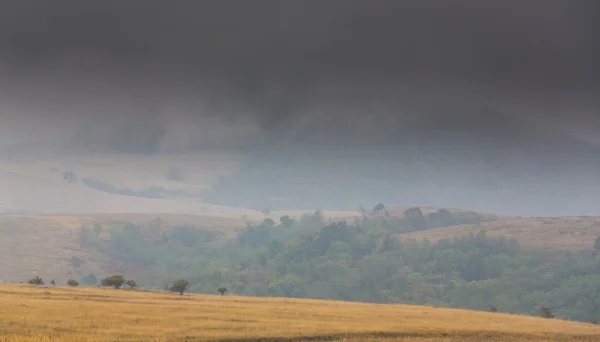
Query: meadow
{"points": [[30, 313]]}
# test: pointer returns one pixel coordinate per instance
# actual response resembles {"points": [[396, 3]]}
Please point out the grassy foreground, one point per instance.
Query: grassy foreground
{"points": [[29, 313]]}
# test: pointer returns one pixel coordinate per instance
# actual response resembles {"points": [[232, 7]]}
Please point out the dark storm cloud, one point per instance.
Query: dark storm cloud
{"points": [[149, 69]]}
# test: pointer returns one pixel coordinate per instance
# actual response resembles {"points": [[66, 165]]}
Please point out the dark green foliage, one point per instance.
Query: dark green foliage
{"points": [[286, 221], [268, 222], [36, 281], [130, 284], [546, 311], [414, 219], [190, 236], [379, 207], [179, 286], [366, 261], [89, 280], [115, 281], [597, 244], [72, 283], [440, 218], [222, 290]]}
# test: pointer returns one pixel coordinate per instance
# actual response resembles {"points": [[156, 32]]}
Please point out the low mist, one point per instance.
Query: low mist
{"points": [[467, 104]]}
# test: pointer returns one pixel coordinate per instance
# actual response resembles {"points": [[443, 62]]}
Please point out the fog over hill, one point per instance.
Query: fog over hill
{"points": [[485, 105]]}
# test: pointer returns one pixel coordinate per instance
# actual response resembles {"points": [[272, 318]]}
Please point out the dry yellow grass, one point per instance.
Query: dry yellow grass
{"points": [[31, 313], [573, 233]]}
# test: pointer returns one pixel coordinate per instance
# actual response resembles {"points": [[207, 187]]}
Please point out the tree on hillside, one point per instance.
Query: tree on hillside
{"points": [[546, 311], [286, 221], [442, 218], [266, 211], [414, 218], [222, 290], [179, 286], [114, 281], [597, 244], [52, 282], [36, 281], [72, 283], [379, 207]]}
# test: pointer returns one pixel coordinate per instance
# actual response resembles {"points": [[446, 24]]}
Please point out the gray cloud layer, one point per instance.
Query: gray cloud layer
{"points": [[157, 75]]}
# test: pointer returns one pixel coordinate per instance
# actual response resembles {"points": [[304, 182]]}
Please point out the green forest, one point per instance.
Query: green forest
{"points": [[364, 260]]}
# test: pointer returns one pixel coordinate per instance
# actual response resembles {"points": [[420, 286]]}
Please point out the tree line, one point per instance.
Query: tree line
{"points": [[365, 260]]}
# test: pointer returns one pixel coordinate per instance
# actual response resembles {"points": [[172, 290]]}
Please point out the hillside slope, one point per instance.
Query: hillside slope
{"points": [[106, 314], [573, 233], [45, 245]]}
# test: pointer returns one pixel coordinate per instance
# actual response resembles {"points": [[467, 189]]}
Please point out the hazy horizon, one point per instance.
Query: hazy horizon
{"points": [[488, 106]]}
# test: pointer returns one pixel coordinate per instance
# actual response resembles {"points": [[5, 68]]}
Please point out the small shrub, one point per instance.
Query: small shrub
{"points": [[52, 282], [36, 281], [130, 284], [72, 283]]}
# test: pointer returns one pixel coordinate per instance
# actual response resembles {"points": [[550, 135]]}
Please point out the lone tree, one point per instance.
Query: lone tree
{"points": [[53, 283], [493, 308], [597, 244], [35, 281], [179, 286], [115, 281], [72, 283], [414, 218], [222, 290], [546, 311], [379, 207], [131, 284]]}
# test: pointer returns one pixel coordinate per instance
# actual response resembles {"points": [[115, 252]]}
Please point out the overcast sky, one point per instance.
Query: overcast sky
{"points": [[177, 75]]}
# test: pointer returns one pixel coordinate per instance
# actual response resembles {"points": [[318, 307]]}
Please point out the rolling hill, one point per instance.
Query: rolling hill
{"points": [[46, 245], [90, 314]]}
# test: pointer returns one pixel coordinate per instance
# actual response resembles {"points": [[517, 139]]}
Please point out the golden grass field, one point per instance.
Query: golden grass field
{"points": [[30, 313], [572, 233]]}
